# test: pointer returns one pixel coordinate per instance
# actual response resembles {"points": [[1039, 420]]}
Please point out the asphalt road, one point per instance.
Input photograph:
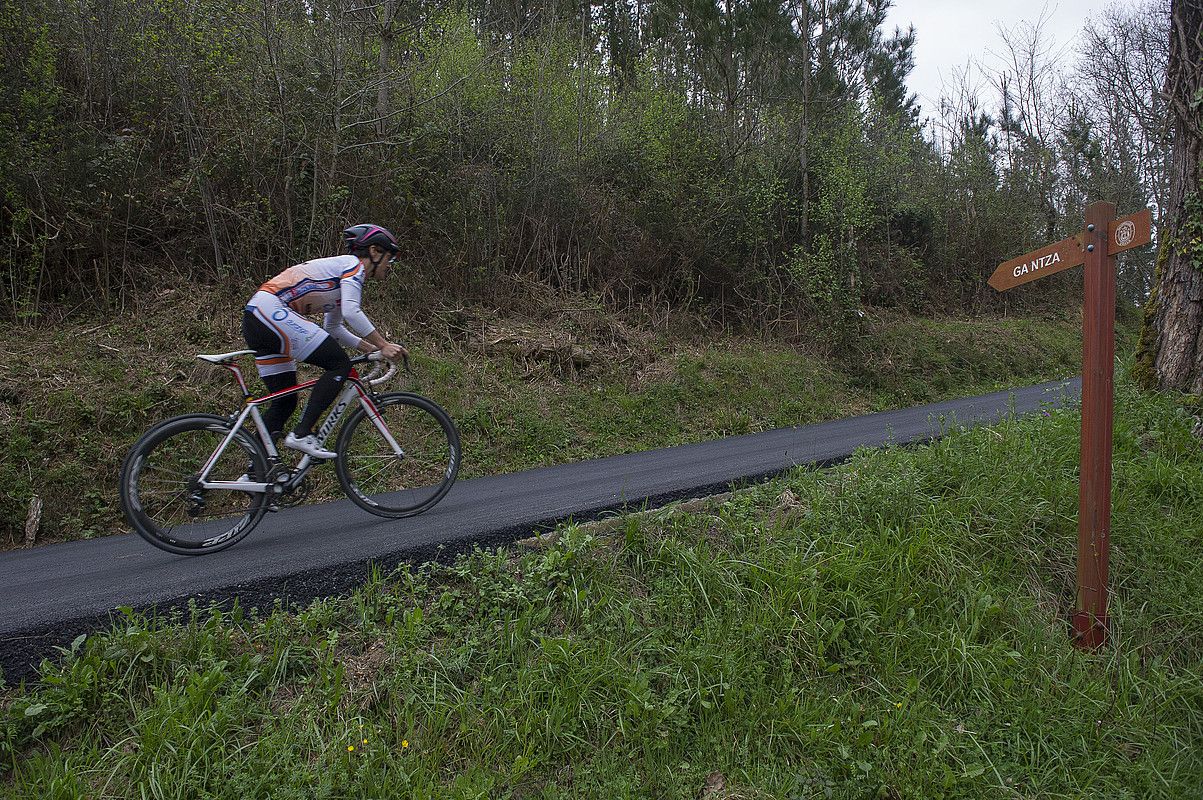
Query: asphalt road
{"points": [[50, 594]]}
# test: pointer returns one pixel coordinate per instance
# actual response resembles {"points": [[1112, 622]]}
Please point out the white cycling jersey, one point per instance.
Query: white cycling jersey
{"points": [[330, 286]]}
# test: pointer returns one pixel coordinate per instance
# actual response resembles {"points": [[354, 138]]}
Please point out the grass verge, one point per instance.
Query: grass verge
{"points": [[76, 396], [895, 627]]}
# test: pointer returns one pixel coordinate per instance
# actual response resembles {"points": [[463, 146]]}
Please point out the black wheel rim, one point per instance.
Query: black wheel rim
{"points": [[385, 481], [172, 506]]}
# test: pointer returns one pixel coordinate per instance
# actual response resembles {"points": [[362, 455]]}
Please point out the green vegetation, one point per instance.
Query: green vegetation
{"points": [[762, 158], [75, 397], [560, 177], [894, 627]]}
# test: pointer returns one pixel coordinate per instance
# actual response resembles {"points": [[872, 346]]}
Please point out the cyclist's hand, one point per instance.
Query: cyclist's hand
{"points": [[394, 352]]}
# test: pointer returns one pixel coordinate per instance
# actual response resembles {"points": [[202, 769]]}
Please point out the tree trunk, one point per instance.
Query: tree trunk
{"points": [[1171, 341], [386, 50], [804, 132]]}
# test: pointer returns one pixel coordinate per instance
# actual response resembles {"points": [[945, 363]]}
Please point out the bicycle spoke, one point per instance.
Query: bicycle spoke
{"points": [[225, 511], [167, 505], [406, 466], [164, 477], [371, 479], [434, 465], [164, 485]]}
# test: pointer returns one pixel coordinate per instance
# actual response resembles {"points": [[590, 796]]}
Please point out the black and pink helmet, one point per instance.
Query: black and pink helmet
{"points": [[359, 238]]}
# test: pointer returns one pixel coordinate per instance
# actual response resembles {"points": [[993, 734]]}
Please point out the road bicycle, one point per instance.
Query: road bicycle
{"points": [[199, 483]]}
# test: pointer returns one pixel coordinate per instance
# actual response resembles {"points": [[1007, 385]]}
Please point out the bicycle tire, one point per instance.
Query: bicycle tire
{"points": [[143, 506], [432, 456]]}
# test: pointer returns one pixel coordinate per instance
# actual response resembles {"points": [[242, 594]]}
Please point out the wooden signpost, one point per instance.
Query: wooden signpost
{"points": [[1096, 247]]}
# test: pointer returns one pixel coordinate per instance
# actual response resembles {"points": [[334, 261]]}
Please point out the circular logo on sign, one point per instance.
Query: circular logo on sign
{"points": [[1125, 233], [279, 315]]}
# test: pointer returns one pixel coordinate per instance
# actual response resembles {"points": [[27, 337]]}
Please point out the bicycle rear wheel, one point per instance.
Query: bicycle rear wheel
{"points": [[161, 495], [394, 484]]}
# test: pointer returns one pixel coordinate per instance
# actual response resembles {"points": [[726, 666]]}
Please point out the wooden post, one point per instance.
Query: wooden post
{"points": [[1090, 620], [1096, 248]]}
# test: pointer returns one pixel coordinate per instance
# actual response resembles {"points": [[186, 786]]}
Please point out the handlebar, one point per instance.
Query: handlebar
{"points": [[371, 377]]}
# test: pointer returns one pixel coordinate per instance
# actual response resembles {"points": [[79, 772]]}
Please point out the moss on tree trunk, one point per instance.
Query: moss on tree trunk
{"points": [[1170, 355]]}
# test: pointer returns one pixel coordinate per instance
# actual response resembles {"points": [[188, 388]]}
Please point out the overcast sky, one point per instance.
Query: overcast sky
{"points": [[950, 32]]}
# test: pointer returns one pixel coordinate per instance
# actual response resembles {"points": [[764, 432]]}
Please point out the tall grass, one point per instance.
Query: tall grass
{"points": [[895, 627]]}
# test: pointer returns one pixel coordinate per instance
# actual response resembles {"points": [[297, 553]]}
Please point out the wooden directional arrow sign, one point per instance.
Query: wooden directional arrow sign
{"points": [[1130, 231], [1039, 263], [1123, 234]]}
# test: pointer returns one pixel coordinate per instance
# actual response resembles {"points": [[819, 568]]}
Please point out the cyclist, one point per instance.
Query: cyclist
{"points": [[275, 328]]}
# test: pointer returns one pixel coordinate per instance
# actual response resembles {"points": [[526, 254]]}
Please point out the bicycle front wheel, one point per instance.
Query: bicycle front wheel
{"points": [[400, 460], [161, 495]]}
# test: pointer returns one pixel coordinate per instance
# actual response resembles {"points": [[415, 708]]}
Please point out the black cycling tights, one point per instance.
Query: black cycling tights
{"points": [[330, 357]]}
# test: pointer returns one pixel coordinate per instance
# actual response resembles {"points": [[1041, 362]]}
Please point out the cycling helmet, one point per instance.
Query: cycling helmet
{"points": [[359, 238]]}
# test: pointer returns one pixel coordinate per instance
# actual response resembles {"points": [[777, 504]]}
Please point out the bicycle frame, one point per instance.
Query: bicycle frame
{"points": [[355, 388]]}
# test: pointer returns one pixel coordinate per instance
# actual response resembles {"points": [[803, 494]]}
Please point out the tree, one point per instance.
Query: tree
{"points": [[1123, 62], [1171, 347], [1117, 137]]}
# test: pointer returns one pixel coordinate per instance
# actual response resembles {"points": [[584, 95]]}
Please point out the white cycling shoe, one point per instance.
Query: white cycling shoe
{"points": [[307, 444]]}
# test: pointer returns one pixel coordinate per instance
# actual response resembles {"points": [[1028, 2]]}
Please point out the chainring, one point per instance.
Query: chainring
{"points": [[295, 496]]}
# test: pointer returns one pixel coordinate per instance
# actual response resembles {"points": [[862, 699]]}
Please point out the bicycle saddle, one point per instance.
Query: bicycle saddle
{"points": [[224, 357]]}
